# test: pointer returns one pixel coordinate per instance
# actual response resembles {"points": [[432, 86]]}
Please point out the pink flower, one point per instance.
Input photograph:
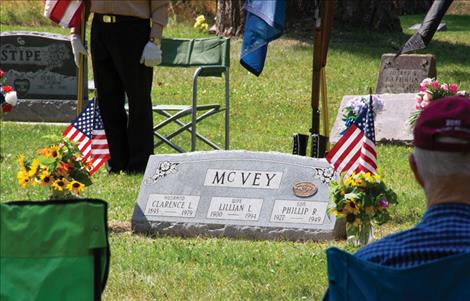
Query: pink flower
{"points": [[419, 98], [426, 82], [2, 73], [383, 203], [453, 88], [418, 106], [425, 103], [445, 87], [435, 84], [427, 97], [422, 88]]}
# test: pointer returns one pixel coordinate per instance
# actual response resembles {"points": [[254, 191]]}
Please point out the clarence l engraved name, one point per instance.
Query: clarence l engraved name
{"points": [[172, 205]]}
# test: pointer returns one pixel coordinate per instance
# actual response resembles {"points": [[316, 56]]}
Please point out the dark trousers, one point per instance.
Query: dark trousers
{"points": [[116, 49]]}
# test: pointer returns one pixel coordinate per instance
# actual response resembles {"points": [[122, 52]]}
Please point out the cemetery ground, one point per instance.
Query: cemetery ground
{"points": [[265, 112]]}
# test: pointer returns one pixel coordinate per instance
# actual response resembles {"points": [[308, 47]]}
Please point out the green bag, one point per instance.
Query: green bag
{"points": [[53, 250]]}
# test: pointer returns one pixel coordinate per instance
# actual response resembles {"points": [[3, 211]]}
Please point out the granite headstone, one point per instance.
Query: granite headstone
{"points": [[403, 74], [41, 69], [241, 194], [391, 124]]}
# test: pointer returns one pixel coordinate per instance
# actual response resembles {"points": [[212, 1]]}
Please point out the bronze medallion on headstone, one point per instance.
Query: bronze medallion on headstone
{"points": [[304, 189]]}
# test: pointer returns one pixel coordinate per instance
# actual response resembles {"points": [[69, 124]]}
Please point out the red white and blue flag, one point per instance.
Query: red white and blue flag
{"points": [[355, 150], [88, 131], [64, 12]]}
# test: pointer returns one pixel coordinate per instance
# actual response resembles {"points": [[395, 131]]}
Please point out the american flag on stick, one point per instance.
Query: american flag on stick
{"points": [[88, 131], [355, 150], [64, 12]]}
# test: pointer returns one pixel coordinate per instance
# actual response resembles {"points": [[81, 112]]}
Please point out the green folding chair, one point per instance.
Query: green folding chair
{"points": [[53, 250], [211, 56]]}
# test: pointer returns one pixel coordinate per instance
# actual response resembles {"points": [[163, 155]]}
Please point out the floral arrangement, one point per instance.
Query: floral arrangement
{"points": [[430, 90], [356, 104], [8, 97], [361, 199], [201, 24], [59, 168]]}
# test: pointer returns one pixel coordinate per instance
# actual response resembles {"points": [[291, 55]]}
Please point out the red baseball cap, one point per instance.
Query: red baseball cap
{"points": [[444, 125]]}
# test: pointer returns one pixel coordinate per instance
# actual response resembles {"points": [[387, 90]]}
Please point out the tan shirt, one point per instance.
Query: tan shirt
{"points": [[156, 10]]}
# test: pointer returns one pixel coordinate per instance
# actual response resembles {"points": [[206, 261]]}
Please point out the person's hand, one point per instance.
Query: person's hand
{"points": [[152, 55], [77, 47]]}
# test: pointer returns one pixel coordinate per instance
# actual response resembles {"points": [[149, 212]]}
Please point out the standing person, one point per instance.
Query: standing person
{"points": [[125, 46], [441, 165]]}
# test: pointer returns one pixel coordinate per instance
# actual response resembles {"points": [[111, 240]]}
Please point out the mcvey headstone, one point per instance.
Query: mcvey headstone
{"points": [[41, 68], [391, 124], [403, 74], [236, 194]]}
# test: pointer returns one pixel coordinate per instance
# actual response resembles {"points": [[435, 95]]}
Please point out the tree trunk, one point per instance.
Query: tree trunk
{"points": [[376, 15], [230, 17]]}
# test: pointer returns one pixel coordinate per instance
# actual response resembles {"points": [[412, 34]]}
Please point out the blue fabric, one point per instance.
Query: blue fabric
{"points": [[352, 278], [264, 22], [444, 230]]}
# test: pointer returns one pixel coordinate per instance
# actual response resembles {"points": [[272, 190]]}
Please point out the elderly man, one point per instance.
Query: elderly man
{"points": [[441, 165], [125, 45]]}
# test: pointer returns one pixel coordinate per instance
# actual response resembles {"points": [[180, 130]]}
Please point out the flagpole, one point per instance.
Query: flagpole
{"points": [[81, 67]]}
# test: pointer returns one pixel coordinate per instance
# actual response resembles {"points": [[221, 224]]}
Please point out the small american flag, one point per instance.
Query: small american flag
{"points": [[88, 131], [64, 12], [355, 150]]}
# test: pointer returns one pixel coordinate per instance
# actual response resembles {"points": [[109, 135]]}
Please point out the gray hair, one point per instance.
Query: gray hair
{"points": [[437, 163]]}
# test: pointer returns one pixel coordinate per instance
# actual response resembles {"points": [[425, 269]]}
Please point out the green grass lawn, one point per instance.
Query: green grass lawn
{"points": [[265, 112]]}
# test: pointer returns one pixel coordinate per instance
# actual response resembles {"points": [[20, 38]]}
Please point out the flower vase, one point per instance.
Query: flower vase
{"points": [[360, 235]]}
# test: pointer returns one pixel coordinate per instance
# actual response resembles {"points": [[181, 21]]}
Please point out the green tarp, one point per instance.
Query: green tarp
{"points": [[53, 250]]}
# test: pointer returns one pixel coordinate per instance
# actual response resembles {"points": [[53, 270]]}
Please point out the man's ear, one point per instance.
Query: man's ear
{"points": [[414, 168]]}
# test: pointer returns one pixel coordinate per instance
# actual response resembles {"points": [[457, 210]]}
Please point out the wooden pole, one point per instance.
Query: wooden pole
{"points": [[319, 86], [81, 68]]}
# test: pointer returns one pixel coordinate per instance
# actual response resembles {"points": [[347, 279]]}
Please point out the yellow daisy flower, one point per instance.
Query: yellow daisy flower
{"points": [[60, 184], [46, 178], [23, 178], [351, 207], [75, 187], [34, 168]]}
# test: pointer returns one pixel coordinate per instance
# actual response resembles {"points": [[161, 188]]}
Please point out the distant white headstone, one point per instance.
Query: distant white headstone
{"points": [[391, 124], [237, 194]]}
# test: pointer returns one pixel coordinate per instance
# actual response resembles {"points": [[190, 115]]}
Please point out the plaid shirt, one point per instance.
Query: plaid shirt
{"points": [[443, 231]]}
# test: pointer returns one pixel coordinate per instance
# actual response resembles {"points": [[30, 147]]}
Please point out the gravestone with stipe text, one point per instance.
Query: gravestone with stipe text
{"points": [[41, 69], [241, 194], [403, 74]]}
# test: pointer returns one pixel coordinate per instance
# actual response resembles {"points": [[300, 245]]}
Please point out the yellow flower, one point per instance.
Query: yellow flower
{"points": [[200, 19], [75, 187], [377, 178], [46, 178], [60, 184], [368, 176], [351, 207], [337, 212], [34, 168], [21, 162], [23, 178], [361, 183]]}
